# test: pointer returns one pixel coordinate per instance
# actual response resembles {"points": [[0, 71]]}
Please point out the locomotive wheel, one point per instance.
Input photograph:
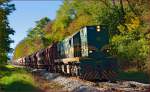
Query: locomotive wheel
{"points": [[62, 69], [65, 69], [73, 69], [68, 69], [56, 68], [77, 69], [59, 68]]}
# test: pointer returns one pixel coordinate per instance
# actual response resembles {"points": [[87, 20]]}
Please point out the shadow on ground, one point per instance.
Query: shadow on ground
{"points": [[19, 86], [13, 79], [7, 70]]}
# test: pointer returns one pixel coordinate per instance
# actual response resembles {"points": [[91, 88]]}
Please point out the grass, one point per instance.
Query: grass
{"points": [[14, 79], [133, 76]]}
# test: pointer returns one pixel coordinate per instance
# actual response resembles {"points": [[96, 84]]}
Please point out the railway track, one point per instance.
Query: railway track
{"points": [[75, 84]]}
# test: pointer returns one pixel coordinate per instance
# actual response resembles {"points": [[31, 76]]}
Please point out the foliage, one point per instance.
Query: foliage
{"points": [[5, 30], [27, 47], [73, 15], [38, 32], [36, 39], [131, 46], [130, 43]]}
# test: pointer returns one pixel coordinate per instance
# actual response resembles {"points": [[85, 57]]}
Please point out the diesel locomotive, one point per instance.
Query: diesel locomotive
{"points": [[85, 54]]}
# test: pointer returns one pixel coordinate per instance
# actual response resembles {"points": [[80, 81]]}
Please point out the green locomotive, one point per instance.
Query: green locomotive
{"points": [[85, 54]]}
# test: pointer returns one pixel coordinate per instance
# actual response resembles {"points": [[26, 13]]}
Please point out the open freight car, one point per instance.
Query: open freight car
{"points": [[42, 59]]}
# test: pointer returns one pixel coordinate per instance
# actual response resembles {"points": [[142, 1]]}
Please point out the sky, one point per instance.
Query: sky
{"points": [[27, 12]]}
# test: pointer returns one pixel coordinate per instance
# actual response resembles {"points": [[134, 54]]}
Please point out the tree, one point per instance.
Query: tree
{"points": [[5, 30], [130, 43], [38, 31], [36, 39], [74, 14]]}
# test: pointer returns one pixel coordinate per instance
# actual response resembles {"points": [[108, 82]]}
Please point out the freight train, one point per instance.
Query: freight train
{"points": [[85, 54]]}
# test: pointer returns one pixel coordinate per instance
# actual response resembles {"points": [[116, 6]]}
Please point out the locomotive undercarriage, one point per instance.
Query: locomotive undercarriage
{"points": [[67, 69], [83, 70]]}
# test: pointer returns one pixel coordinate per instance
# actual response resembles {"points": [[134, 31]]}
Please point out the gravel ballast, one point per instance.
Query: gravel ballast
{"points": [[73, 84]]}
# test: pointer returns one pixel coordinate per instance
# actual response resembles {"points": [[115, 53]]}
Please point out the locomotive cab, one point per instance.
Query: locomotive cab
{"points": [[95, 39]]}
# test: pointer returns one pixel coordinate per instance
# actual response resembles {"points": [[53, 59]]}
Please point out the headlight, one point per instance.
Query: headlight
{"points": [[98, 28]]}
